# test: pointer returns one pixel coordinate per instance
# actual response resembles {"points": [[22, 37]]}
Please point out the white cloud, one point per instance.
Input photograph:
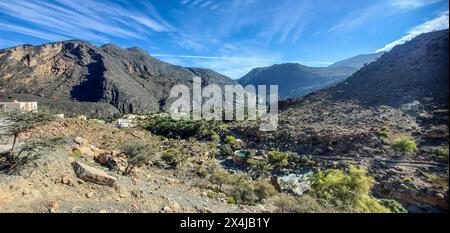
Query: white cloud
{"points": [[90, 20], [435, 24], [375, 12], [411, 4]]}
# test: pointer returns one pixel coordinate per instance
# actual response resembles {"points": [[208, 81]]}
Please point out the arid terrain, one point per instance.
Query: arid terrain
{"points": [[377, 141]]}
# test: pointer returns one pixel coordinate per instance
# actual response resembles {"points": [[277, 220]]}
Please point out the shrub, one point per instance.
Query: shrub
{"points": [[226, 151], [443, 152], [75, 154], [230, 139], [201, 171], [167, 127], [210, 194], [138, 153], [231, 200], [393, 205], [384, 132], [241, 188], [21, 122], [173, 157], [404, 144], [346, 190], [31, 149], [303, 204], [279, 157], [263, 189], [220, 177]]}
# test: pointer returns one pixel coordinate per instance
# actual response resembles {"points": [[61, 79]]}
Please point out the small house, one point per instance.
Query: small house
{"points": [[18, 106]]}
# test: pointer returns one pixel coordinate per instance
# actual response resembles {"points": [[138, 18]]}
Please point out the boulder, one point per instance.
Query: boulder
{"points": [[80, 141], [84, 150], [92, 174], [106, 159]]}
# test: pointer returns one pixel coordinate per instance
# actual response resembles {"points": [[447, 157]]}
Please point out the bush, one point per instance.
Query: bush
{"points": [[241, 188], [31, 149], [263, 189], [384, 132], [404, 144], [184, 129], [393, 205], [226, 151], [220, 177], [76, 154], [279, 157], [231, 200], [303, 204], [173, 157], [138, 153], [230, 139], [21, 122], [443, 152], [347, 190]]}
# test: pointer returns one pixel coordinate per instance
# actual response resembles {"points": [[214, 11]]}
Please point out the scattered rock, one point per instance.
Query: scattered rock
{"points": [[80, 141], [95, 175], [89, 194], [26, 191], [440, 196], [53, 206], [68, 180]]}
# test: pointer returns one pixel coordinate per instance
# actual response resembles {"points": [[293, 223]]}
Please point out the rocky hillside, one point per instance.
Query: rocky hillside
{"points": [[77, 77], [415, 71], [295, 80], [358, 61], [391, 117]]}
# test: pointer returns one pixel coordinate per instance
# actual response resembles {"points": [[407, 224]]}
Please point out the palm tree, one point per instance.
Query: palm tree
{"points": [[262, 169]]}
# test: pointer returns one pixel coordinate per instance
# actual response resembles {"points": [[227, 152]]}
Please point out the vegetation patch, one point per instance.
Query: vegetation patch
{"points": [[404, 144], [347, 190]]}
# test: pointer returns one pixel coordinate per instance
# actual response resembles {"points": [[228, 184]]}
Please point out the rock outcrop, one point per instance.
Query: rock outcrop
{"points": [[75, 77]]}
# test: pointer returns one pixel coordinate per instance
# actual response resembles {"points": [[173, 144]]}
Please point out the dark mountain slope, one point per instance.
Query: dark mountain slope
{"points": [[414, 71], [358, 61], [296, 80]]}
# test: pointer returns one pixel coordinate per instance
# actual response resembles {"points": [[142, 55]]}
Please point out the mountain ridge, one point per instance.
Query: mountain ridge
{"points": [[295, 79], [76, 72]]}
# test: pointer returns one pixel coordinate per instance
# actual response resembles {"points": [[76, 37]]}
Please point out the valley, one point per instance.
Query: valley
{"points": [[351, 138]]}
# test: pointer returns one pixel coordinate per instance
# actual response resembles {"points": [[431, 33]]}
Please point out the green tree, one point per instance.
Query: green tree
{"points": [[262, 169]]}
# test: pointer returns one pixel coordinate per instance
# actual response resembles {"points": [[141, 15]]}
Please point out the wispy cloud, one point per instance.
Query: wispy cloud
{"points": [[411, 4], [377, 11], [90, 20], [438, 23]]}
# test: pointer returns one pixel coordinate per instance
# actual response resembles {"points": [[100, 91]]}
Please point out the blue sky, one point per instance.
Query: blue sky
{"points": [[228, 36]]}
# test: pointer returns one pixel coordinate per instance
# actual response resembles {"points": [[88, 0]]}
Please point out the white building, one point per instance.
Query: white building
{"points": [[18, 106], [125, 123]]}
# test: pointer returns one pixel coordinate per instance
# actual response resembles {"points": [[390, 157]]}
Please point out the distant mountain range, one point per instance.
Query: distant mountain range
{"points": [[76, 77], [295, 80], [414, 71]]}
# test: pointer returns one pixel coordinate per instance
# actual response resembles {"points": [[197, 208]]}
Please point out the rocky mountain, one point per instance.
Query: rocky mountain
{"points": [[414, 71], [402, 98], [77, 77], [358, 61], [295, 80]]}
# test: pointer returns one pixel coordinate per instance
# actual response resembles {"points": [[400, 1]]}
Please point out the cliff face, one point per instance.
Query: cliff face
{"points": [[77, 77]]}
